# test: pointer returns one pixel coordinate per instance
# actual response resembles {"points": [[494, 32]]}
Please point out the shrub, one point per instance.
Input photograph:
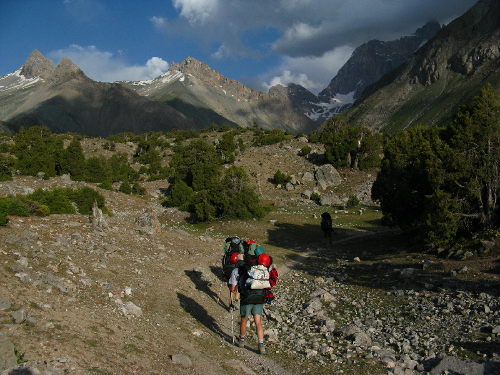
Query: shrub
{"points": [[37, 209], [304, 151], [353, 201], [106, 185], [125, 187], [84, 199], [137, 189], [179, 194], [13, 207], [4, 147], [316, 197], [281, 178], [56, 200]]}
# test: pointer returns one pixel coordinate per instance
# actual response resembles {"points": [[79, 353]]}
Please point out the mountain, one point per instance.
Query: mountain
{"points": [[189, 96], [443, 74], [64, 99], [367, 64], [206, 96]]}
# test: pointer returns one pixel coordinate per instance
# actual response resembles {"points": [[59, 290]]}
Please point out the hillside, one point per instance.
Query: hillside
{"points": [[446, 72], [142, 294]]}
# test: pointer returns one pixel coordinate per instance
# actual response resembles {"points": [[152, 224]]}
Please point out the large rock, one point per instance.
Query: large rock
{"points": [[330, 199], [327, 175], [7, 355]]}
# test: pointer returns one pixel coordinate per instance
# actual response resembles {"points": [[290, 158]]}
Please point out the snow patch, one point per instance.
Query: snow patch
{"points": [[16, 80], [333, 107]]}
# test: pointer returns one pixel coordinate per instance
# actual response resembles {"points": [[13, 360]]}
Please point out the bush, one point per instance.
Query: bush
{"points": [[84, 199], [56, 200], [281, 178], [106, 185], [12, 207], [353, 201], [59, 201], [179, 194], [125, 187], [137, 189], [316, 197], [304, 151]]}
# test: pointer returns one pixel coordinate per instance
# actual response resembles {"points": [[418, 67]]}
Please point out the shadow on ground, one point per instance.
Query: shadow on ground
{"points": [[384, 253], [199, 313]]}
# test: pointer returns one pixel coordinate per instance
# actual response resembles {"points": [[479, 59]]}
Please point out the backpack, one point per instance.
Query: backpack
{"points": [[326, 221], [249, 247], [231, 246], [259, 280]]}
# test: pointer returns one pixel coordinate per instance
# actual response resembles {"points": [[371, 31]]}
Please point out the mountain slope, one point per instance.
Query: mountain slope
{"points": [[368, 63], [444, 73], [64, 99], [206, 96]]}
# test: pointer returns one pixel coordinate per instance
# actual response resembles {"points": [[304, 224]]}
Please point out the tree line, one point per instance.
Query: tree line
{"points": [[444, 182]]}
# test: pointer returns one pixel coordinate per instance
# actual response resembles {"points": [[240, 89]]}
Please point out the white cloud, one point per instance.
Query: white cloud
{"points": [[195, 11], [314, 73], [108, 67], [304, 27]]}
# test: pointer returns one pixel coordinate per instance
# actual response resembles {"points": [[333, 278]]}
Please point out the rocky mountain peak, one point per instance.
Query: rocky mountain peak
{"points": [[37, 66], [209, 76], [67, 70]]}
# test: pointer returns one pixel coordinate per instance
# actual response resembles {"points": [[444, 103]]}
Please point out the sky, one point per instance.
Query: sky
{"points": [[259, 43]]}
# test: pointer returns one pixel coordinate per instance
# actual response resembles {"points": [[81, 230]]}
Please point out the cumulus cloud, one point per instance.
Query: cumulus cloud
{"points": [[109, 67], [314, 73], [307, 27]]}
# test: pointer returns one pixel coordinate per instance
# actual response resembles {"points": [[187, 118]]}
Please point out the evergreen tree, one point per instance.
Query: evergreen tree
{"points": [[38, 150], [95, 170], [198, 165], [73, 160], [7, 164]]}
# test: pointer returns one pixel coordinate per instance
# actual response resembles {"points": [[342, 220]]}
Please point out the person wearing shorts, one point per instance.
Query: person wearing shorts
{"points": [[256, 310]]}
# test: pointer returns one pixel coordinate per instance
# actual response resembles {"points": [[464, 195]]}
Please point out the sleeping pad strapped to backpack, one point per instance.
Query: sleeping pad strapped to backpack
{"points": [[256, 281]]}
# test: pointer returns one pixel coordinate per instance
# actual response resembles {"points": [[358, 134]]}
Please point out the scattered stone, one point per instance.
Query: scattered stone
{"points": [[181, 359], [19, 316]]}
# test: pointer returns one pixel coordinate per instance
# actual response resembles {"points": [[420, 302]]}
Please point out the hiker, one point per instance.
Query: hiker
{"points": [[253, 296], [326, 227], [249, 246], [233, 255], [232, 246]]}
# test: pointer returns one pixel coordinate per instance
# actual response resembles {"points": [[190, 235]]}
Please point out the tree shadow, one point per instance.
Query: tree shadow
{"points": [[496, 269], [199, 313], [376, 249]]}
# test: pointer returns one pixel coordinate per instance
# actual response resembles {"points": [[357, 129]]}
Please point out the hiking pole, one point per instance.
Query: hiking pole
{"points": [[232, 322]]}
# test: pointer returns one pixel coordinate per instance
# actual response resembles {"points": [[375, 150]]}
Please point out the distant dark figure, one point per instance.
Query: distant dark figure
{"points": [[326, 227]]}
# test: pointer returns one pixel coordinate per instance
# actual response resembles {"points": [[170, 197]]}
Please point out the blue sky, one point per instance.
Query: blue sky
{"points": [[257, 42]]}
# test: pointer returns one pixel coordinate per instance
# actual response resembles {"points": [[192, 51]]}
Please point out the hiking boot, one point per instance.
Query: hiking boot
{"points": [[262, 350], [241, 343]]}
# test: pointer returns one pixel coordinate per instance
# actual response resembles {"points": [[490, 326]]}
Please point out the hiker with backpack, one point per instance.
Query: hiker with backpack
{"points": [[326, 227], [233, 255], [254, 279]]}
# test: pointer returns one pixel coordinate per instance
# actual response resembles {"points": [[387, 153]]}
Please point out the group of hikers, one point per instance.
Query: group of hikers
{"points": [[250, 275]]}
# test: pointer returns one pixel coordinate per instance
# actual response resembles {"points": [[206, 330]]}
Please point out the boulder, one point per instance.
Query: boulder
{"points": [[327, 175]]}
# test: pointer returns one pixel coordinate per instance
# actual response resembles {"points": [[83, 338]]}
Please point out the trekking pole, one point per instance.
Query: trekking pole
{"points": [[220, 290], [232, 323]]}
